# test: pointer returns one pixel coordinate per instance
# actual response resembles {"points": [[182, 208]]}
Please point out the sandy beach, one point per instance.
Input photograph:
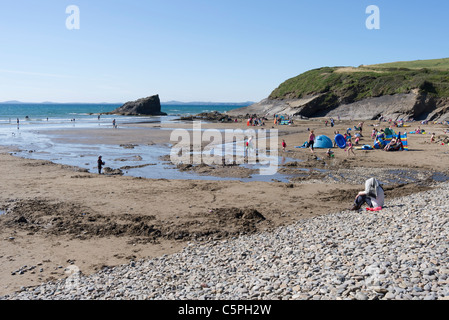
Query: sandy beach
{"points": [[57, 215]]}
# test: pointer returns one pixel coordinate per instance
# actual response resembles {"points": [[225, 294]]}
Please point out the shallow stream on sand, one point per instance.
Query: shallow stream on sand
{"points": [[142, 160]]}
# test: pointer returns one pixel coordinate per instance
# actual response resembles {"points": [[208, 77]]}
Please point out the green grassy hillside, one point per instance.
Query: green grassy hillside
{"points": [[348, 84], [438, 64]]}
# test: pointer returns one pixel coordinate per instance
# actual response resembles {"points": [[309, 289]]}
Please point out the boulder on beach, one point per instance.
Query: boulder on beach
{"points": [[150, 106]]}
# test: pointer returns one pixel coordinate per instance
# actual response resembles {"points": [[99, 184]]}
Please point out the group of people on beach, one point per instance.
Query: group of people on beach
{"points": [[330, 154], [282, 119], [254, 120], [331, 121], [395, 144]]}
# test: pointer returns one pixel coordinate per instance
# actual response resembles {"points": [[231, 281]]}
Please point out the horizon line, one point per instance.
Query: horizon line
{"points": [[104, 102]]}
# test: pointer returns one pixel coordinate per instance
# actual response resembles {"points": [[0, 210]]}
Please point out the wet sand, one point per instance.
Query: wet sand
{"points": [[58, 215]]}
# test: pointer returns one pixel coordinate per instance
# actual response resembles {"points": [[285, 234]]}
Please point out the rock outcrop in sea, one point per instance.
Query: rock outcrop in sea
{"points": [[150, 106]]}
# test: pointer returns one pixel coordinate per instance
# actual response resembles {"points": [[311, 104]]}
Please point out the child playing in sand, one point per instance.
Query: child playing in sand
{"points": [[283, 145], [330, 153]]}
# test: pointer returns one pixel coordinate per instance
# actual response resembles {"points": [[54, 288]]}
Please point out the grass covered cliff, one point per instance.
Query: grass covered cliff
{"points": [[344, 85], [399, 90]]}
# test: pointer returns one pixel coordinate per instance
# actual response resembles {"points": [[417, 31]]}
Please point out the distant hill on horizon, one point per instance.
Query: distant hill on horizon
{"points": [[50, 102]]}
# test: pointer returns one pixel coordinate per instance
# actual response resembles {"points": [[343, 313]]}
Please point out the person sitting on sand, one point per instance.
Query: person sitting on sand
{"points": [[432, 138], [391, 144], [100, 164], [373, 195], [330, 153], [395, 145], [399, 144]]}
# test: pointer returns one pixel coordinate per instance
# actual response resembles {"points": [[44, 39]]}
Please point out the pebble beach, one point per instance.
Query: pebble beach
{"points": [[398, 253]]}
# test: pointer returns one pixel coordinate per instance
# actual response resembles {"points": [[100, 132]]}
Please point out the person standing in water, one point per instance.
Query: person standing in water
{"points": [[100, 164]]}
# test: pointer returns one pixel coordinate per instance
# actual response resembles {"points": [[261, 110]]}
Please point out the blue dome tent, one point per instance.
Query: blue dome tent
{"points": [[323, 142]]}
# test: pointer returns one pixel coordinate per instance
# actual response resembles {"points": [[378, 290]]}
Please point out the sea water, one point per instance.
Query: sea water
{"points": [[25, 135], [85, 111]]}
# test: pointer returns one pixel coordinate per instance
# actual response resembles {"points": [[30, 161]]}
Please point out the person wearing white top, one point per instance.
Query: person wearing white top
{"points": [[373, 195]]}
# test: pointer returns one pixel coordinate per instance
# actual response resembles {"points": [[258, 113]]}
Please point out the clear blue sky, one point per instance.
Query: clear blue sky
{"points": [[200, 50]]}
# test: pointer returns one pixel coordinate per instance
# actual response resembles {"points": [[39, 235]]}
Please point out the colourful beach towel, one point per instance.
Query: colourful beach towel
{"points": [[365, 147], [374, 209]]}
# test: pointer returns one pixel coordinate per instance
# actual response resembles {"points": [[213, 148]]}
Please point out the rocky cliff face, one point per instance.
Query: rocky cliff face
{"points": [[150, 106], [416, 105]]}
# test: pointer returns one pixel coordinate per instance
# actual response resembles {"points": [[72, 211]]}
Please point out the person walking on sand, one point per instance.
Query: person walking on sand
{"points": [[114, 125], [350, 147], [100, 164], [311, 141], [284, 145]]}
